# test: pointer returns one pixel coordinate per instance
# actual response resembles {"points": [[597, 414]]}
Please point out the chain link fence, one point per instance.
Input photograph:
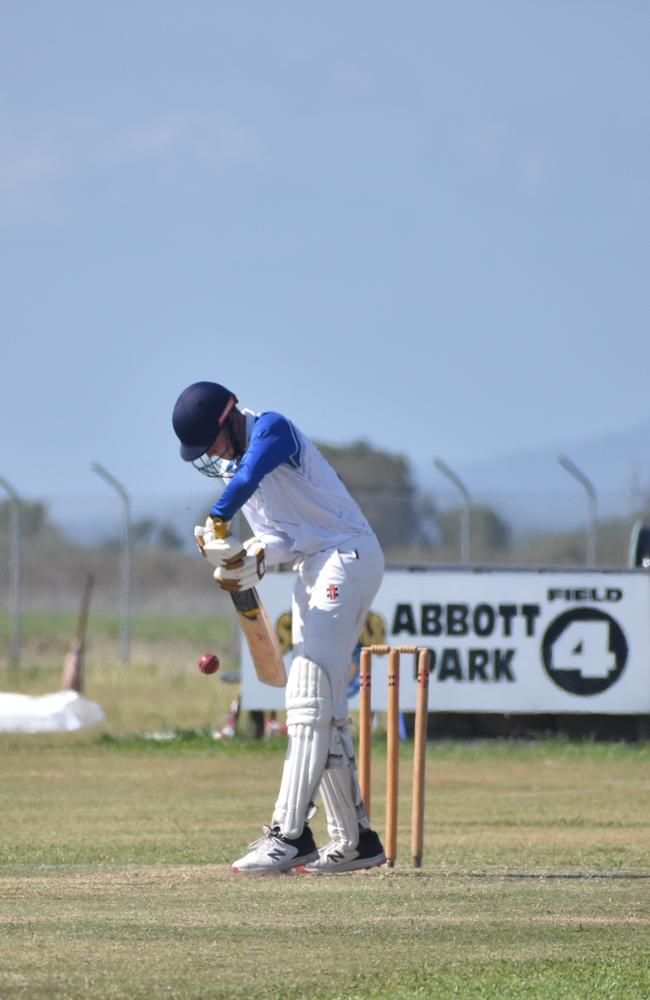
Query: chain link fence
{"points": [[63, 539]]}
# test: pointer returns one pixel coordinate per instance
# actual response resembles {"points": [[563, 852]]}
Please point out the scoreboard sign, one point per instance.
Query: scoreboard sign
{"points": [[509, 640]]}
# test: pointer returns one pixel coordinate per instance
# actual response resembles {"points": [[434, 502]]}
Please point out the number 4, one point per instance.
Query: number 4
{"points": [[584, 646]]}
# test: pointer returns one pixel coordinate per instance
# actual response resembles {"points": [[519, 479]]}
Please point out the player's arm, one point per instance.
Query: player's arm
{"points": [[272, 443]]}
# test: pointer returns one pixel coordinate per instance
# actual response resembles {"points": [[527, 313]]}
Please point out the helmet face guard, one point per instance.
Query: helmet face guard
{"points": [[216, 467]]}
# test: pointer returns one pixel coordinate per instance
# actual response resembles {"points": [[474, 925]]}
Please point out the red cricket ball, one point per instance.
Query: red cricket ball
{"points": [[209, 663]]}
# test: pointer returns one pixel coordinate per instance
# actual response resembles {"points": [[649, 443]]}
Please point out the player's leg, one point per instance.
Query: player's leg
{"points": [[288, 841], [340, 597], [353, 844], [330, 605]]}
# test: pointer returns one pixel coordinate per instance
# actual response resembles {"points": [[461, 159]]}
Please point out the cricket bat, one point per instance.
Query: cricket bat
{"points": [[261, 638], [257, 628]]}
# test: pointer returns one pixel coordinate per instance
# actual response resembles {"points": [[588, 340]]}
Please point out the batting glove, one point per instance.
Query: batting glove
{"points": [[219, 552], [245, 571]]}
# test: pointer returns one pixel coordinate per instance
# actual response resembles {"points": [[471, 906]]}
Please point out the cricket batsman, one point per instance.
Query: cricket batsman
{"points": [[299, 511]]}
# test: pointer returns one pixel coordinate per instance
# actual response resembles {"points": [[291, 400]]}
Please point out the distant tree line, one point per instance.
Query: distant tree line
{"points": [[406, 520], [411, 526]]}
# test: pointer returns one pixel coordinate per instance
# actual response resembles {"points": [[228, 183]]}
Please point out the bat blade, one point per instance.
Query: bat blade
{"points": [[261, 638]]}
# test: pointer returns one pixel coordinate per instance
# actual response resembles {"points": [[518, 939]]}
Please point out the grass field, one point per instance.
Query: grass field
{"points": [[115, 853]]}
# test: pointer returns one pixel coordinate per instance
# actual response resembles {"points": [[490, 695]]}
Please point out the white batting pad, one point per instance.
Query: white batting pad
{"points": [[309, 727], [340, 790]]}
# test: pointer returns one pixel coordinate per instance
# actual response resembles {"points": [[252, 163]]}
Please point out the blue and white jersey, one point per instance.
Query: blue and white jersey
{"points": [[290, 495]]}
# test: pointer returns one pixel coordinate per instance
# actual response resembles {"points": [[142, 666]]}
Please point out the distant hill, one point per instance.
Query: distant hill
{"points": [[533, 491]]}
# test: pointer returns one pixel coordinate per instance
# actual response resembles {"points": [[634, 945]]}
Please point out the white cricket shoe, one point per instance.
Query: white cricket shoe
{"points": [[275, 853], [333, 858]]}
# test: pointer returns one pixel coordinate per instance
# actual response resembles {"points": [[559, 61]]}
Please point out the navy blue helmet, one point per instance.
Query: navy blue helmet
{"points": [[200, 413]]}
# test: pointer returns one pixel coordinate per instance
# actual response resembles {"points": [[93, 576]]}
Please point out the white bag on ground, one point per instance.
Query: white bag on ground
{"points": [[61, 712]]}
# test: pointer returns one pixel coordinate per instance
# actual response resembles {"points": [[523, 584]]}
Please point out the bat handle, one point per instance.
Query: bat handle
{"points": [[220, 527]]}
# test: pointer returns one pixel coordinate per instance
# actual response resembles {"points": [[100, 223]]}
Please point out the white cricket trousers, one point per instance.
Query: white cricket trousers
{"points": [[332, 596]]}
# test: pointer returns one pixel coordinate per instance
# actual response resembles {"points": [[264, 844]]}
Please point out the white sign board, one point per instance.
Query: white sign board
{"points": [[502, 640]]}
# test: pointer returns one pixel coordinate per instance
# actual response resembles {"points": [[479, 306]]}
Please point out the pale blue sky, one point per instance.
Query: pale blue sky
{"points": [[424, 224]]}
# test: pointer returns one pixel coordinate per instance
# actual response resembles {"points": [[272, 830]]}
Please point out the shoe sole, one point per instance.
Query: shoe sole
{"points": [[356, 865], [277, 869]]}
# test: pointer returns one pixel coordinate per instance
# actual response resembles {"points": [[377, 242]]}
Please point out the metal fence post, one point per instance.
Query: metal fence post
{"points": [[466, 509], [591, 493], [14, 570]]}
